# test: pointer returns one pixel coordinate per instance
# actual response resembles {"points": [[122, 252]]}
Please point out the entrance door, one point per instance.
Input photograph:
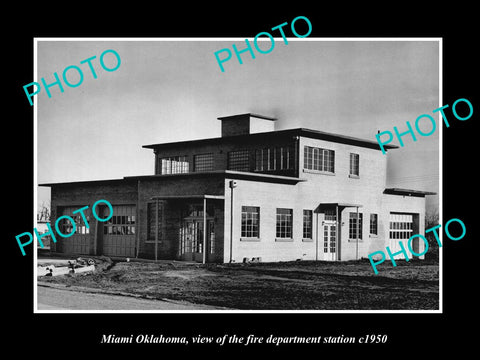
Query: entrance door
{"points": [[191, 239], [329, 241]]}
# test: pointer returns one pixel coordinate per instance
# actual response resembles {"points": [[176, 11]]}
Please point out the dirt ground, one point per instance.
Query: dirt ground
{"points": [[302, 285]]}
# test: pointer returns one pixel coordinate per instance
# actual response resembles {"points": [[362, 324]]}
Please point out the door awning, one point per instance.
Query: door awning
{"points": [[342, 205]]}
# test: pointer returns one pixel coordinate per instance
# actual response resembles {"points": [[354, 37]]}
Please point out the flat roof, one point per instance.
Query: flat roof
{"points": [[314, 134], [407, 192], [86, 182], [205, 196], [227, 174], [222, 173], [247, 114]]}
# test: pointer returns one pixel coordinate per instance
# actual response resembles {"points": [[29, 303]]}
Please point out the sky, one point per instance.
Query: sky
{"points": [[173, 90]]}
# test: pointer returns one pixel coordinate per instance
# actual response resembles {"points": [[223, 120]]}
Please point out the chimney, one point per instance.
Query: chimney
{"points": [[244, 124]]}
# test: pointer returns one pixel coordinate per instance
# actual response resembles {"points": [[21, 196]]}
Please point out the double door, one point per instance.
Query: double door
{"points": [[191, 239]]}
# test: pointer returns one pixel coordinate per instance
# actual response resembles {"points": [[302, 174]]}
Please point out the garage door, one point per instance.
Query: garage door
{"points": [[401, 229], [81, 241], [119, 232]]}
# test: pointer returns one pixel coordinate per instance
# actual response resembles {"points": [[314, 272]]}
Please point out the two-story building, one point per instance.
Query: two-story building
{"points": [[253, 193]]}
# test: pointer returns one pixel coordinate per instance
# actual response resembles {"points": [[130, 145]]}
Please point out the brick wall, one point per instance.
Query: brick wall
{"points": [[174, 208], [82, 194]]}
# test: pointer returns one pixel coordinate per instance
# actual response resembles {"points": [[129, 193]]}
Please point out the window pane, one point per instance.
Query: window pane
{"points": [[318, 159], [250, 221], [308, 157], [271, 159], [284, 223], [329, 160], [374, 224], [239, 160], [258, 160], [331, 214], [174, 165], [203, 162], [354, 164], [307, 224], [352, 226], [277, 158]]}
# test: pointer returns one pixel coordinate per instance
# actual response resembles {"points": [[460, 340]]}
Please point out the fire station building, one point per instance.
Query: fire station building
{"points": [[253, 193]]}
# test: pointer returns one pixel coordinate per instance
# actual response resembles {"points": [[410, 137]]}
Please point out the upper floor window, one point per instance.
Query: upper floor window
{"points": [[239, 160], [354, 164], [319, 159], [274, 158], [203, 162], [174, 165]]}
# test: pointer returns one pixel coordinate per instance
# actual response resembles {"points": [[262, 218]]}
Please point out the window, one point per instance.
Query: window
{"points": [[284, 158], [319, 159], [261, 163], [66, 226], [120, 225], [275, 158], [211, 232], [330, 215], [196, 210], [152, 221], [250, 222], [352, 226], [354, 164], [203, 162], [284, 223], [307, 224], [174, 165], [401, 226], [373, 224], [239, 160]]}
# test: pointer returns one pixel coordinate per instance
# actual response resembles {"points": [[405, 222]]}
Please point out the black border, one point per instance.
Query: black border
{"points": [[408, 333]]}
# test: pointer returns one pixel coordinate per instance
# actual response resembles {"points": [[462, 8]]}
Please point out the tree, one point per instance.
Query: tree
{"points": [[431, 220], [43, 212]]}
